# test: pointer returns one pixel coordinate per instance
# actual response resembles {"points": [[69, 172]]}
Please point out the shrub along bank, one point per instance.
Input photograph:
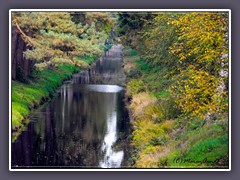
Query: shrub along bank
{"points": [[163, 135]]}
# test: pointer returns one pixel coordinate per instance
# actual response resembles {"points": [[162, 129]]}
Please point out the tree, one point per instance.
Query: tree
{"points": [[202, 40], [130, 26], [190, 51], [201, 49], [54, 38]]}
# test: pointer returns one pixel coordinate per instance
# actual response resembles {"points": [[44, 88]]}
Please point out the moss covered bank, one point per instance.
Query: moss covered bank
{"points": [[37, 89]]}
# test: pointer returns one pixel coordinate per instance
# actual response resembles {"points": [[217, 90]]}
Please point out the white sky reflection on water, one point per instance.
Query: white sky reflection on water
{"points": [[111, 158], [104, 88]]}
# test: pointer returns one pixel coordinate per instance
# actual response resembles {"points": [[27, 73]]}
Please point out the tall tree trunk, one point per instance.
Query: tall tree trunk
{"points": [[21, 67], [14, 42]]}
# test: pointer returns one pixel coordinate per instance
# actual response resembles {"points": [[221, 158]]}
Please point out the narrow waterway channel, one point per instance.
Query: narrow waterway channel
{"points": [[84, 126]]}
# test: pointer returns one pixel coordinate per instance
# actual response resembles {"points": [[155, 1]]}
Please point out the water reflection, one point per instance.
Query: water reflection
{"points": [[111, 158], [108, 70], [104, 88], [81, 125]]}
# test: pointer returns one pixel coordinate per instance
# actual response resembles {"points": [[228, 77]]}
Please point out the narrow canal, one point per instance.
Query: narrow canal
{"points": [[84, 126]]}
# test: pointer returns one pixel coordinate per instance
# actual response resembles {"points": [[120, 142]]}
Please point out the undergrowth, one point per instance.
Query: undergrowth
{"points": [[163, 135]]}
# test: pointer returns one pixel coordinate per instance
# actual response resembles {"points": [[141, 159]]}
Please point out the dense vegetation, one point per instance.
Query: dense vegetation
{"points": [[58, 38], [177, 77], [178, 88], [60, 43]]}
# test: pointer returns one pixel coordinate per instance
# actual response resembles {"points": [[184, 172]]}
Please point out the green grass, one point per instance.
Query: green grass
{"points": [[43, 84], [206, 153], [89, 59], [133, 53], [204, 146], [189, 142]]}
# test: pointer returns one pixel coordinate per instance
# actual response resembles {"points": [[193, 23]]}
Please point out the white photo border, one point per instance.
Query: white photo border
{"points": [[117, 10]]}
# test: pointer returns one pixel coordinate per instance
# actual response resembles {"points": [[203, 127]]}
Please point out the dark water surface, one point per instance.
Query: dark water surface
{"points": [[84, 126]]}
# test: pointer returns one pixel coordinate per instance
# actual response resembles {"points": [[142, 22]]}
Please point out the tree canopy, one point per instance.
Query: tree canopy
{"points": [[61, 37], [191, 50]]}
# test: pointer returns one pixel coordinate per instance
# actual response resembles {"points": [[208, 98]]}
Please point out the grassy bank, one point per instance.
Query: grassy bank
{"points": [[36, 90], [164, 136]]}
